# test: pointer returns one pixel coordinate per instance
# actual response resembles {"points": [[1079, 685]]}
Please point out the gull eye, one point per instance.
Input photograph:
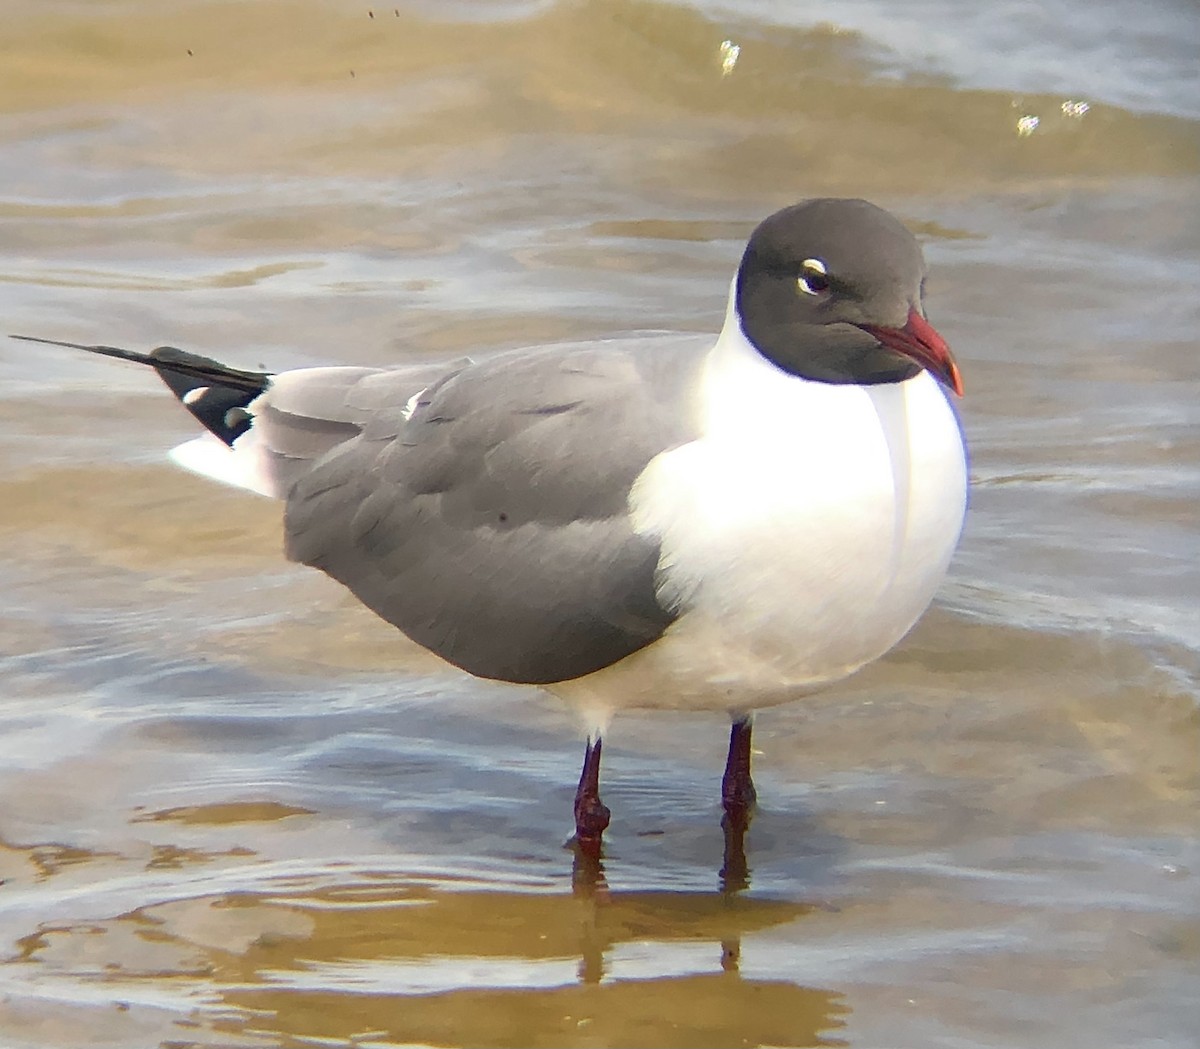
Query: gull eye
{"points": [[812, 279]]}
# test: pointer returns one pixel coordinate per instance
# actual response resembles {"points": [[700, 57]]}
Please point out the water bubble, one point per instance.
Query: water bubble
{"points": [[729, 52], [1074, 109], [1027, 125]]}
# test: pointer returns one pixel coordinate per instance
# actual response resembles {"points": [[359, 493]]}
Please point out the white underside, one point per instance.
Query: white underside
{"points": [[802, 536]]}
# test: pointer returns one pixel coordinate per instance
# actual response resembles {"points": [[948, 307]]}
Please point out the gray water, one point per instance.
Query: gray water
{"points": [[238, 810]]}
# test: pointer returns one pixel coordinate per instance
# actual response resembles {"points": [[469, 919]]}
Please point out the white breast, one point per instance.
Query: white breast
{"points": [[801, 536]]}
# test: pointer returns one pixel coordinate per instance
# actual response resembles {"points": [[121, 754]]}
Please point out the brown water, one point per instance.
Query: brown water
{"points": [[239, 811]]}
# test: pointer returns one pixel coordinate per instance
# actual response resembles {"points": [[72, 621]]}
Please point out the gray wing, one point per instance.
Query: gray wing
{"points": [[487, 518], [306, 413]]}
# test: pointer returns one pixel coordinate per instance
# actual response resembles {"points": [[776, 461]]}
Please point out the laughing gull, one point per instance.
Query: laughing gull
{"points": [[651, 522]]}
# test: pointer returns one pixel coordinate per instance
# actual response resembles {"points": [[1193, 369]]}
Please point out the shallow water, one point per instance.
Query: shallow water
{"points": [[238, 810]]}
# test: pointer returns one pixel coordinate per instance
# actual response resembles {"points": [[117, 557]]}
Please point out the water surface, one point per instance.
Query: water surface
{"points": [[238, 810]]}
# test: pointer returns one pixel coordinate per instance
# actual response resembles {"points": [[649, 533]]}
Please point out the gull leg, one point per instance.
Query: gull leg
{"points": [[591, 814], [737, 788], [737, 798]]}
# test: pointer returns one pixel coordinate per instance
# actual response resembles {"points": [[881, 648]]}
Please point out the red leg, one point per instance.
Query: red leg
{"points": [[591, 814], [737, 788], [737, 798]]}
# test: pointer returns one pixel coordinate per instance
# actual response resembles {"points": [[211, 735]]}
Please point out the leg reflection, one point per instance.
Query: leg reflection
{"points": [[590, 889]]}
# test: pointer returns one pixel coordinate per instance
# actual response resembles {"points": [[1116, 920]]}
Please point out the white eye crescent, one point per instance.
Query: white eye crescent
{"points": [[812, 279]]}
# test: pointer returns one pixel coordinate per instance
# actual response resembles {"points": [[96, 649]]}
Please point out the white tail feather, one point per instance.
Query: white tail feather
{"points": [[246, 465]]}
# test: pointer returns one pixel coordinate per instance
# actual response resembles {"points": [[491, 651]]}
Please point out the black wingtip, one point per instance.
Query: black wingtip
{"points": [[105, 351], [215, 394], [162, 358]]}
